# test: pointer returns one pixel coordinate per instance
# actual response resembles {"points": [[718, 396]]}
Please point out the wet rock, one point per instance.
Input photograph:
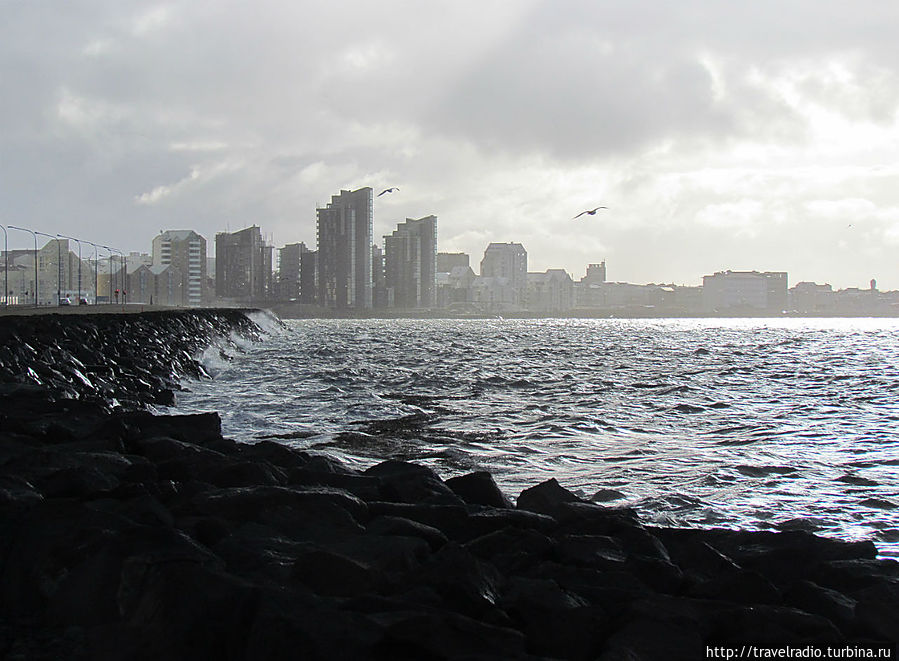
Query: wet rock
{"points": [[555, 622], [283, 631], [125, 535], [513, 549], [451, 520], [276, 454], [248, 474], [743, 587], [391, 554], [606, 588], [297, 513], [397, 525], [596, 551], [410, 483], [478, 488], [654, 638], [769, 626], [80, 482], [181, 610], [447, 635], [332, 574], [546, 497], [812, 598], [851, 576], [464, 583], [486, 521], [363, 487]]}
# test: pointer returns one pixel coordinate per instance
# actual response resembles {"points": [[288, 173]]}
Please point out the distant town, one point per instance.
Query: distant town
{"points": [[347, 274]]}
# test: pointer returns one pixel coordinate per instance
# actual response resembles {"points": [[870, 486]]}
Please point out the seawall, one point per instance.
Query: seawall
{"points": [[128, 535]]}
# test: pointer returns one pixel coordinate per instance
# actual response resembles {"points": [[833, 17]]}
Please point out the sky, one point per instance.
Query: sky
{"points": [[720, 135]]}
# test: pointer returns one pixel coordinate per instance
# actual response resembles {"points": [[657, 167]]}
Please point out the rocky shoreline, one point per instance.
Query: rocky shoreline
{"points": [[129, 535]]}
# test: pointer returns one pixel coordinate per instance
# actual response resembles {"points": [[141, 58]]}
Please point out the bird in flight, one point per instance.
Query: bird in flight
{"points": [[589, 212], [388, 190]]}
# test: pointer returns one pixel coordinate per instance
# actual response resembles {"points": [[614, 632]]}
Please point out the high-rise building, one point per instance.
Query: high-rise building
{"points": [[243, 265], [185, 250], [510, 262], [296, 273], [378, 281], [410, 264], [344, 229]]}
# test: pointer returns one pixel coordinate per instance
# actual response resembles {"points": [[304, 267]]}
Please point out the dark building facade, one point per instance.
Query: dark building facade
{"points": [[378, 281], [296, 273], [243, 265], [344, 229], [410, 263]]}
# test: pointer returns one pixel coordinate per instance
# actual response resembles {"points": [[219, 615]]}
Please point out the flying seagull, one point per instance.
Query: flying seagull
{"points": [[387, 190], [589, 212]]}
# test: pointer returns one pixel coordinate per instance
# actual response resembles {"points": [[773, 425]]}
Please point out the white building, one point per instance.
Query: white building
{"points": [[745, 290], [551, 292], [509, 262], [186, 251]]}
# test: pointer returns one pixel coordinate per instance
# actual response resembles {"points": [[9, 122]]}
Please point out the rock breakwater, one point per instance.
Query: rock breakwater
{"points": [[128, 535]]}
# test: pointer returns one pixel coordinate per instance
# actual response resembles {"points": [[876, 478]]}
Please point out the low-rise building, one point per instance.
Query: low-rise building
{"points": [[745, 291], [551, 292]]}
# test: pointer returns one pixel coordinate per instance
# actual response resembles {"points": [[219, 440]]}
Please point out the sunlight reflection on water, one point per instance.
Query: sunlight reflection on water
{"points": [[743, 422]]}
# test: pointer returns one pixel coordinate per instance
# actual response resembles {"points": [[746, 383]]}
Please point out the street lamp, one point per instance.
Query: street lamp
{"points": [[96, 271], [25, 229], [124, 265], [58, 265], [78, 241], [6, 267]]}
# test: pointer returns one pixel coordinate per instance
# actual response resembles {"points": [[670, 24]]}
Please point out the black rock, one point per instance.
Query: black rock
{"points": [[546, 497], [478, 488]]}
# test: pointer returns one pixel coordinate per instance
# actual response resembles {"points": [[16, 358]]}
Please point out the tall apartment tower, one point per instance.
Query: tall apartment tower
{"points": [[510, 261], [410, 263], [243, 265], [344, 229], [296, 273], [378, 281], [289, 271], [185, 250]]}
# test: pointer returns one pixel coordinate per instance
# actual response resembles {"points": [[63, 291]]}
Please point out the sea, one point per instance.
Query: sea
{"points": [[766, 424]]}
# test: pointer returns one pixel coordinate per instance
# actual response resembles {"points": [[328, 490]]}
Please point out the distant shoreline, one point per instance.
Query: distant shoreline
{"points": [[314, 312], [292, 312]]}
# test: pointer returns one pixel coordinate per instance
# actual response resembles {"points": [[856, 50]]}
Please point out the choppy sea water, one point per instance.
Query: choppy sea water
{"points": [[763, 424]]}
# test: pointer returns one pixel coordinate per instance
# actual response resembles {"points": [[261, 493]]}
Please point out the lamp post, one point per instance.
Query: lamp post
{"points": [[109, 293], [25, 229], [124, 265], [6, 267], [58, 265], [78, 241], [96, 271]]}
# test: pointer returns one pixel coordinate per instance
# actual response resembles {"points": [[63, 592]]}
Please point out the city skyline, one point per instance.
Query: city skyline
{"points": [[111, 254], [719, 137]]}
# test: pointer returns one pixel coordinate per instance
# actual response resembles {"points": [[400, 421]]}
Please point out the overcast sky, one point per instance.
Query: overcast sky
{"points": [[721, 135]]}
